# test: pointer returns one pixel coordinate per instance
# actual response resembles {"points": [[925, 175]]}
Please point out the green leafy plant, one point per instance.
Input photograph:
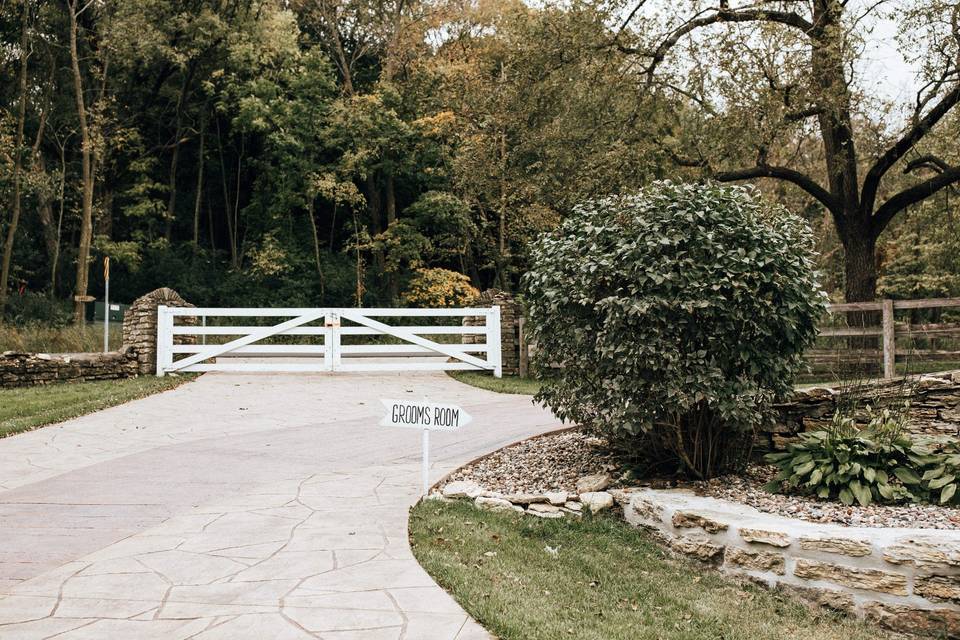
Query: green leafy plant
{"points": [[875, 463], [673, 318], [942, 474]]}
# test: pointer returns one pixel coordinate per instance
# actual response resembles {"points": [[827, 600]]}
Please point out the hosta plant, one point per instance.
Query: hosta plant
{"points": [[942, 475], [875, 463]]}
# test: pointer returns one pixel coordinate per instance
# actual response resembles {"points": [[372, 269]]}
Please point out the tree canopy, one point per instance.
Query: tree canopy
{"points": [[326, 152]]}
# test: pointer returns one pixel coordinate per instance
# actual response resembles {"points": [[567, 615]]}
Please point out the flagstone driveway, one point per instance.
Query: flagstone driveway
{"points": [[237, 506]]}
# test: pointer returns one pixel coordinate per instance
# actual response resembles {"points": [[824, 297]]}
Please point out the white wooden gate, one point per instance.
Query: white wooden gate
{"points": [[313, 340]]}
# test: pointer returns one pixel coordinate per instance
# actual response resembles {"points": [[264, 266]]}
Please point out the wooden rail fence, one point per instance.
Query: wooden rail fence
{"points": [[887, 332]]}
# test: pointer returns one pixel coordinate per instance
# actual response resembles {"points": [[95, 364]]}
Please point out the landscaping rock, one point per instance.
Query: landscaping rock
{"points": [[543, 510], [689, 520], [697, 546], [842, 546], [755, 560], [525, 498], [938, 588], [495, 504], [593, 483], [869, 579], [556, 498], [462, 489], [573, 506], [772, 538], [596, 501], [922, 552]]}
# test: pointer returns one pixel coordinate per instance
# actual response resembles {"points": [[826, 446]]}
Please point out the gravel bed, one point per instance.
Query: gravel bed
{"points": [[748, 489], [555, 463], [548, 463]]}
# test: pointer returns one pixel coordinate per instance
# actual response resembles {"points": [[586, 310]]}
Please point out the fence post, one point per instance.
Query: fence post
{"points": [[164, 338], [889, 341], [494, 340]]}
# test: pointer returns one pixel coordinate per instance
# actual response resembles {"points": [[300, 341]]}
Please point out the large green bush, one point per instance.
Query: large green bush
{"points": [[674, 318]]}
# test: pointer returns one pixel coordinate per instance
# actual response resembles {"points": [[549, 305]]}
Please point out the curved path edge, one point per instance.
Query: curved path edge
{"points": [[276, 511]]}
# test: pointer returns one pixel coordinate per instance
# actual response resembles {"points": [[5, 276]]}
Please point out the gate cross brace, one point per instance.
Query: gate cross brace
{"points": [[250, 338], [409, 336]]}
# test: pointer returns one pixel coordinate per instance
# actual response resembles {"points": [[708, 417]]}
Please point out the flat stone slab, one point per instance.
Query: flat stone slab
{"points": [[237, 506]]}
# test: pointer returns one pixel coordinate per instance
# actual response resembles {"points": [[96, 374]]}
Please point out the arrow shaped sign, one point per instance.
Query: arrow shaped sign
{"points": [[424, 415]]}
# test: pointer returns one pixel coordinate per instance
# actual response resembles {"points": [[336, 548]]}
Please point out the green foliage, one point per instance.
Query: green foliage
{"points": [[878, 462], [439, 288], [676, 315]]}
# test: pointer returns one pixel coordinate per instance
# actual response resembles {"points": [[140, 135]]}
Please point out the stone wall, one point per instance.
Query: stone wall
{"points": [[510, 313], [140, 325], [934, 408], [907, 580], [18, 369]]}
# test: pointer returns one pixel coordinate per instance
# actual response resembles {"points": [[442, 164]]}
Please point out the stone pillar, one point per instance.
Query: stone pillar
{"points": [[510, 313], [140, 325]]}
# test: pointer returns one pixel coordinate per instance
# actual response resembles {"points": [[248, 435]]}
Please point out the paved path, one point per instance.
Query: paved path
{"points": [[267, 507]]}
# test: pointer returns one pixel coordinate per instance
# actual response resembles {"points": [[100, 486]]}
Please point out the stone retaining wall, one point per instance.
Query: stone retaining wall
{"points": [[934, 410], [907, 580], [18, 369]]}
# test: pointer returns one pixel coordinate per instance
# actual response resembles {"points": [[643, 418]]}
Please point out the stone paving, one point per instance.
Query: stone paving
{"points": [[237, 506]]}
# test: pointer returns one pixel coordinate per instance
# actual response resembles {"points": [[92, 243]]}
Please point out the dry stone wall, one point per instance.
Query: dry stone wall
{"points": [[934, 408], [907, 580], [18, 369], [510, 313], [140, 325]]}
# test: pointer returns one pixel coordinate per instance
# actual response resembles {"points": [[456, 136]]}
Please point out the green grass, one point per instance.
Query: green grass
{"points": [[506, 384], [27, 408], [608, 581], [38, 338]]}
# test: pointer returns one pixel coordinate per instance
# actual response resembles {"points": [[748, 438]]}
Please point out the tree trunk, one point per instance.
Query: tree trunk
{"points": [[198, 201], [86, 163], [55, 261], [375, 207], [393, 282], [175, 157], [231, 237], [860, 267], [17, 165], [316, 245], [860, 285]]}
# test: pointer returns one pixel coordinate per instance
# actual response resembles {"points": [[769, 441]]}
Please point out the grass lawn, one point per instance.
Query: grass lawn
{"points": [[506, 384], [607, 581], [27, 408], [36, 338]]}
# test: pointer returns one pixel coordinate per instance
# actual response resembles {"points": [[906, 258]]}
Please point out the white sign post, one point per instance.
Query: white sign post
{"points": [[426, 416]]}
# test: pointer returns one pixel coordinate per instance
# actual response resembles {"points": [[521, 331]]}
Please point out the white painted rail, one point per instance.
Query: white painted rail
{"points": [[311, 339]]}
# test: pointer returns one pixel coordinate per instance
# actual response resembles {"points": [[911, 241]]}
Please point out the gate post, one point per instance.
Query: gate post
{"points": [[494, 355], [164, 338], [331, 356]]}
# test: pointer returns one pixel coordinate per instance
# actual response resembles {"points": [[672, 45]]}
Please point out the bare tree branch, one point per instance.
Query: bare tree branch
{"points": [[802, 180], [720, 15], [913, 135], [928, 161], [913, 195]]}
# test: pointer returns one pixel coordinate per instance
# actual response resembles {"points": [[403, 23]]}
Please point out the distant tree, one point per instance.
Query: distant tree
{"points": [[766, 80]]}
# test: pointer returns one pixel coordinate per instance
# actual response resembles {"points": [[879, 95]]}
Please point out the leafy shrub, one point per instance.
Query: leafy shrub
{"points": [[439, 288], [676, 316], [876, 463]]}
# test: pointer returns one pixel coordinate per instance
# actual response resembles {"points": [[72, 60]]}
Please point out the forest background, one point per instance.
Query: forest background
{"points": [[348, 152]]}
